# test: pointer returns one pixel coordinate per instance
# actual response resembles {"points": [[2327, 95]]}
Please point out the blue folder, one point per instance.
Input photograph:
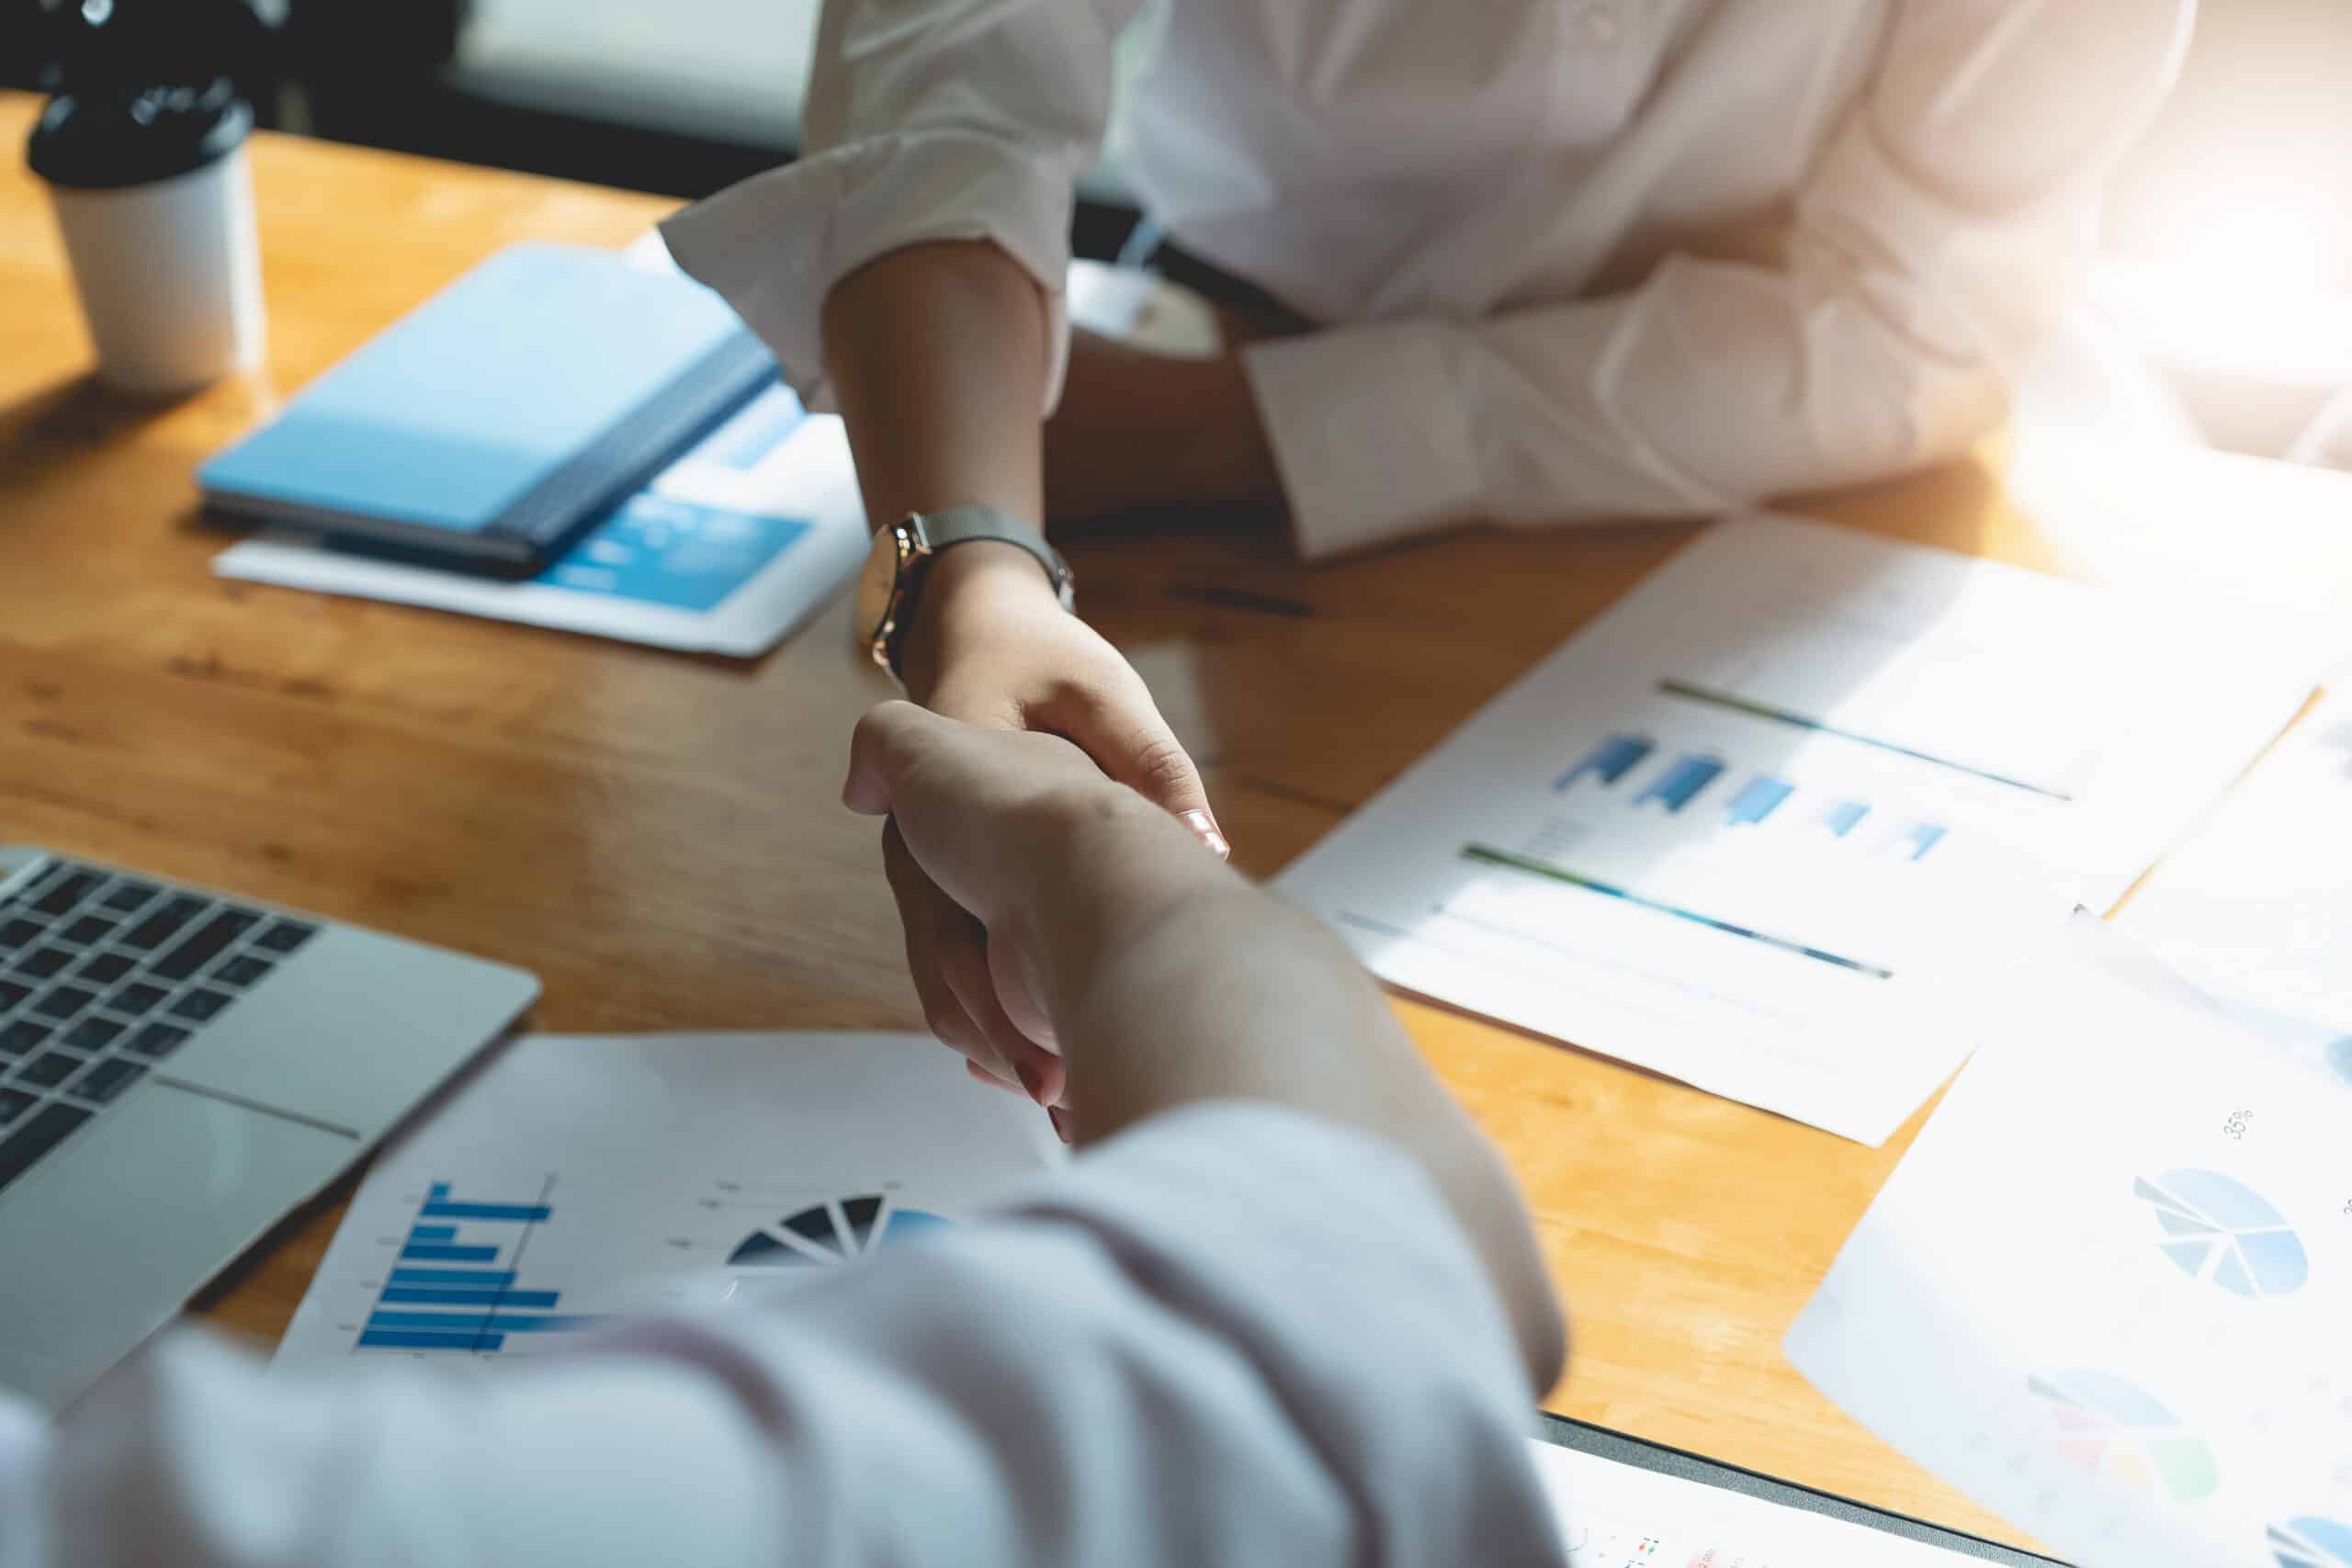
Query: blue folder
{"points": [[502, 415]]}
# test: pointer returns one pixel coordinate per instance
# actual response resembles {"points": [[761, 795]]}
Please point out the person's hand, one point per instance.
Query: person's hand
{"points": [[992, 647], [999, 841]]}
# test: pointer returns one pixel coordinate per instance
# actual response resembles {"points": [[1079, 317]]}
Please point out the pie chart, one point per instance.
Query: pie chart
{"points": [[832, 1231], [2312, 1542], [2217, 1230], [2115, 1428]]}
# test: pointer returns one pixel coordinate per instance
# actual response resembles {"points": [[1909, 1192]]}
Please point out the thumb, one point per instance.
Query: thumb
{"points": [[882, 749], [1130, 741]]}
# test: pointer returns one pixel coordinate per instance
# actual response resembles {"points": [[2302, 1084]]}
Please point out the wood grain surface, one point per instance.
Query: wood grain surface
{"points": [[658, 836]]}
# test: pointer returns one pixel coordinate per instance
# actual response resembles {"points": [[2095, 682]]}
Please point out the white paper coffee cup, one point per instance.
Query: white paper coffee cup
{"points": [[168, 268]]}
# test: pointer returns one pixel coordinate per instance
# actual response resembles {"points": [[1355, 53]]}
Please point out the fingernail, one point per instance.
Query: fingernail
{"points": [[1204, 824], [1031, 1079], [1061, 1119]]}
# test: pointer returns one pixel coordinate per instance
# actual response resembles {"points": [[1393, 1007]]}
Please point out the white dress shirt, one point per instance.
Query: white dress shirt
{"points": [[1580, 259], [1234, 1335]]}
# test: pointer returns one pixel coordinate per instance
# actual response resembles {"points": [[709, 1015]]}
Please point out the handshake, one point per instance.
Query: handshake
{"points": [[1077, 944]]}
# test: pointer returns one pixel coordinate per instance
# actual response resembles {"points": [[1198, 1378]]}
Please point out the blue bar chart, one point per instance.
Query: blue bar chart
{"points": [[1757, 799], [1843, 817], [1683, 782], [1639, 773], [1609, 760], [469, 1309], [1921, 837]]}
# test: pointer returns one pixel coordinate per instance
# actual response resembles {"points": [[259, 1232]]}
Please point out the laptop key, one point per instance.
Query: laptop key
{"points": [[15, 934], [127, 896], [87, 932], [11, 994], [200, 1005], [158, 1041], [105, 1080], [93, 1033], [13, 1103], [64, 892], [44, 962], [63, 1001], [241, 971], [104, 969], [207, 943], [161, 922], [48, 1069], [34, 1136], [136, 998], [285, 936], [22, 1037]]}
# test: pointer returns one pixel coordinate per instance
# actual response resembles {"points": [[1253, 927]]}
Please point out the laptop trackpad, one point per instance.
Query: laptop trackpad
{"points": [[105, 1239]]}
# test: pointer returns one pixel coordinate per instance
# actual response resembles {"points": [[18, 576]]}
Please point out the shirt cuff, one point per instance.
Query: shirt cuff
{"points": [[1370, 433], [774, 245]]}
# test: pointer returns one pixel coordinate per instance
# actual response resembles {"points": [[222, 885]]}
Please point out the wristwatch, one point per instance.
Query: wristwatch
{"points": [[900, 559]]}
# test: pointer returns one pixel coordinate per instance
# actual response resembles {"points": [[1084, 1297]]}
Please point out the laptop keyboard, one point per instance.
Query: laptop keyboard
{"points": [[104, 975]]}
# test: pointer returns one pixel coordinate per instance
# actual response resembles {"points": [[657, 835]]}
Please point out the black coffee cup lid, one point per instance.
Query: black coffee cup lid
{"points": [[112, 139]]}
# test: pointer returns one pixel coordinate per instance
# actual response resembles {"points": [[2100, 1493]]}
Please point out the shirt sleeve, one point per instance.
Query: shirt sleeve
{"points": [[1936, 237], [1233, 1335], [926, 120]]}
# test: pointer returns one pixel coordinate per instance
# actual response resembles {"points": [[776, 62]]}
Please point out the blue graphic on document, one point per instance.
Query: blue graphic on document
{"points": [[455, 1288]]}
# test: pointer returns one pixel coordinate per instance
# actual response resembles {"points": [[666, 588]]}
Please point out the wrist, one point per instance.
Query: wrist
{"points": [[978, 583], [1110, 870]]}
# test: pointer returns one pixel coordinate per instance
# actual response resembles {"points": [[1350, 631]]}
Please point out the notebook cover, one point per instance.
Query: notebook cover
{"points": [[437, 428]]}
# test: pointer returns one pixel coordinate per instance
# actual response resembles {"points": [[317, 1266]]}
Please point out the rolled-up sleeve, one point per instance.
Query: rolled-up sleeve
{"points": [[1936, 237], [1233, 1335], [926, 119]]}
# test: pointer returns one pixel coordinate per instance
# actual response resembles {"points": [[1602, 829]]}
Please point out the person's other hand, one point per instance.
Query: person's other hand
{"points": [[996, 840]]}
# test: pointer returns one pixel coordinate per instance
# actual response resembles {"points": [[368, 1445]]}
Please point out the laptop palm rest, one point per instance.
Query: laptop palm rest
{"points": [[99, 1247]]}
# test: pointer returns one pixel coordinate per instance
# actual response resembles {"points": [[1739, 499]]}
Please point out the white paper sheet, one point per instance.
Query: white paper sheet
{"points": [[1621, 1515], [2255, 905], [2108, 1292], [579, 1179], [1750, 827]]}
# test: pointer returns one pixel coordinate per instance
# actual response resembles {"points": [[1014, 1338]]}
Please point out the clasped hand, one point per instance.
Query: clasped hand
{"points": [[997, 652]]}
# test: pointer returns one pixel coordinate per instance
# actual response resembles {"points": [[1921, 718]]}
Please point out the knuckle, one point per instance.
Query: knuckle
{"points": [[945, 1020], [1162, 764]]}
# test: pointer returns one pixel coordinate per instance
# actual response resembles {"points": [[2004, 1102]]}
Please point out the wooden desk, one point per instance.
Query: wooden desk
{"points": [[659, 837]]}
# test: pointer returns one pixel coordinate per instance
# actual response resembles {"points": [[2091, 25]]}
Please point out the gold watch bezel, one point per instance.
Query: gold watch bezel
{"points": [[883, 589]]}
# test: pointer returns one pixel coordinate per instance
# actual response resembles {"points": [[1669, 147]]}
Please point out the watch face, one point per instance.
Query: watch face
{"points": [[878, 584]]}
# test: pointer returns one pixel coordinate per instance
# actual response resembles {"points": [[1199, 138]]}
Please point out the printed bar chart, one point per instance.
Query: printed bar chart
{"points": [[1844, 817], [1757, 799], [1610, 761], [1683, 782], [1618, 758], [469, 1311], [1921, 837]]}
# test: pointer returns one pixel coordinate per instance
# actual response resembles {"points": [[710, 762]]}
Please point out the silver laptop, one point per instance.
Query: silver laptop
{"points": [[178, 1070]]}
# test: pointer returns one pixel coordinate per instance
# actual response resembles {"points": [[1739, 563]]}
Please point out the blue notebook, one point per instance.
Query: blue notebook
{"points": [[504, 415]]}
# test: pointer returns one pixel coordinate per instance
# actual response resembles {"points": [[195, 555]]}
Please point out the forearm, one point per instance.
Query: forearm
{"points": [[1203, 989], [938, 354]]}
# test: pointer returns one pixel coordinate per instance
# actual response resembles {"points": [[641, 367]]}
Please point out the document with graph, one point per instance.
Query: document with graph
{"points": [[2108, 1292], [1767, 824], [2255, 905], [578, 1180]]}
